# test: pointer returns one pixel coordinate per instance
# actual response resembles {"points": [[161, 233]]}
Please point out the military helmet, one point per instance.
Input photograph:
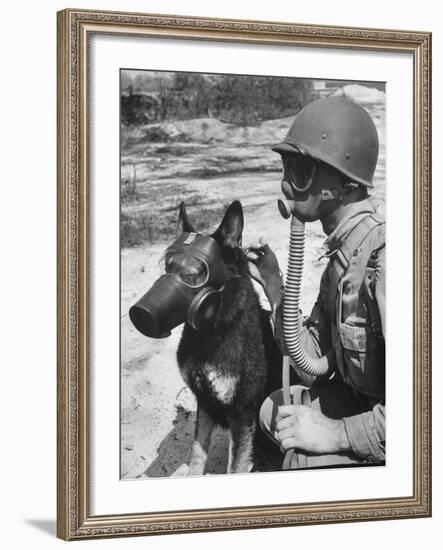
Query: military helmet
{"points": [[338, 132]]}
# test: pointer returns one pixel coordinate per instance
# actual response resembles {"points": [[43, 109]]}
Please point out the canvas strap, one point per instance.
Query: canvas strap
{"points": [[369, 287], [341, 257]]}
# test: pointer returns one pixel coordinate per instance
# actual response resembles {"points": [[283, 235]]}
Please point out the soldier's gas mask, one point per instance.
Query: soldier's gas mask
{"points": [[189, 291]]}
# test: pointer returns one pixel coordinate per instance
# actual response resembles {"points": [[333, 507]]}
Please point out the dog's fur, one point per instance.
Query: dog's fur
{"points": [[226, 365]]}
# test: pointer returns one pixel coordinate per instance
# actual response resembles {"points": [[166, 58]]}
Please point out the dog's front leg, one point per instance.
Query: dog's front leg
{"points": [[241, 448], [202, 440]]}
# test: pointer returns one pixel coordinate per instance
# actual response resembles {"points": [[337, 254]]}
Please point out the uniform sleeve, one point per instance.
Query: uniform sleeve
{"points": [[366, 433], [380, 287], [317, 330]]}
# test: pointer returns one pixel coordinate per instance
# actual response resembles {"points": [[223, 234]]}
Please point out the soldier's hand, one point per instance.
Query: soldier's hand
{"points": [[301, 427], [264, 268]]}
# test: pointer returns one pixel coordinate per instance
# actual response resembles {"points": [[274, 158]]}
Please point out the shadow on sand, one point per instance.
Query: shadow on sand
{"points": [[175, 450]]}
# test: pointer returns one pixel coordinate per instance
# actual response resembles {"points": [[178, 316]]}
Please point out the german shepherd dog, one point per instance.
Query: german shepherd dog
{"points": [[233, 364]]}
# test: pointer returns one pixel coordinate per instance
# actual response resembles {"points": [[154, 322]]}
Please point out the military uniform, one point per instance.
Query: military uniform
{"points": [[349, 316]]}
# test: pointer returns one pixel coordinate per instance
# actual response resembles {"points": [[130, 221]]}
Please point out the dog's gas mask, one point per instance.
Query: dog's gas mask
{"points": [[189, 291]]}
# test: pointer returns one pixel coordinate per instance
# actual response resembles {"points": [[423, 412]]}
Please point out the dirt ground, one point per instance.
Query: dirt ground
{"points": [[212, 167]]}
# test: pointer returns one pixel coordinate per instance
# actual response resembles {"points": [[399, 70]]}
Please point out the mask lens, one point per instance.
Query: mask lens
{"points": [[192, 271], [299, 172], [204, 308]]}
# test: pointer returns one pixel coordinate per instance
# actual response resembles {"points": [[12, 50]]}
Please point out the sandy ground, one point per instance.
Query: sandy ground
{"points": [[158, 411]]}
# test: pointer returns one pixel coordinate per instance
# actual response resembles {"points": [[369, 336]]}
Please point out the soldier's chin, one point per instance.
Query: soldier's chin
{"points": [[305, 215]]}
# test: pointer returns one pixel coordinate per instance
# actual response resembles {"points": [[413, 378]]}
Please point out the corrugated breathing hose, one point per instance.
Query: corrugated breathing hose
{"points": [[291, 306], [291, 321]]}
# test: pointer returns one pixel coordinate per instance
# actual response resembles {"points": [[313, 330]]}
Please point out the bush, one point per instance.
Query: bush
{"points": [[251, 99], [155, 134], [239, 99]]}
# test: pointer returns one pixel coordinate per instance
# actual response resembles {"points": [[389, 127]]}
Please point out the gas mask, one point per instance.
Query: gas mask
{"points": [[299, 172], [189, 291]]}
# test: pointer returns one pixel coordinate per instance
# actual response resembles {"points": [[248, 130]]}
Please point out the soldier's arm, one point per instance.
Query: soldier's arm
{"points": [[380, 287], [318, 328], [366, 432], [317, 337]]}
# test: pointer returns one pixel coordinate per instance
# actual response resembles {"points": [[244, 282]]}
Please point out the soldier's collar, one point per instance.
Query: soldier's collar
{"points": [[353, 217]]}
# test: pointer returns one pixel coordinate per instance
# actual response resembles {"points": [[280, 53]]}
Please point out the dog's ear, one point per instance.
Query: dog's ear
{"points": [[229, 233], [184, 225]]}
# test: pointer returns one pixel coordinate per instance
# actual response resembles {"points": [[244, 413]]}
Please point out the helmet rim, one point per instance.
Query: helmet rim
{"points": [[338, 132], [288, 148]]}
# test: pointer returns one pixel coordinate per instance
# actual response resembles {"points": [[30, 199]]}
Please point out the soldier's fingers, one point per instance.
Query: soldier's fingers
{"points": [[258, 248], [284, 423], [254, 272], [264, 245], [287, 433], [284, 411], [288, 443], [254, 244], [251, 256]]}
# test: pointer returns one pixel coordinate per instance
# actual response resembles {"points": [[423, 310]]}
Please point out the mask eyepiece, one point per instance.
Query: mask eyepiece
{"points": [[204, 308], [299, 171], [191, 270]]}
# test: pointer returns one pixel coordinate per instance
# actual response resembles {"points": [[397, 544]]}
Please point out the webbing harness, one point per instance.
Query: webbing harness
{"points": [[342, 256]]}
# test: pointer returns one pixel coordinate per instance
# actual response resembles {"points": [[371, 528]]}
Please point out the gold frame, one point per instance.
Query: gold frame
{"points": [[74, 520]]}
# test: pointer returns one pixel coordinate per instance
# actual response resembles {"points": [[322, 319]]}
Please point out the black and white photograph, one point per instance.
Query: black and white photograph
{"points": [[252, 235]]}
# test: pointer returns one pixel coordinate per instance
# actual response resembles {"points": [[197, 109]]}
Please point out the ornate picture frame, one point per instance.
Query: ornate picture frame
{"points": [[75, 518]]}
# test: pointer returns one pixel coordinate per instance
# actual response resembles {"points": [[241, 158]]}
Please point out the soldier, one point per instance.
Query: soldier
{"points": [[329, 158]]}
